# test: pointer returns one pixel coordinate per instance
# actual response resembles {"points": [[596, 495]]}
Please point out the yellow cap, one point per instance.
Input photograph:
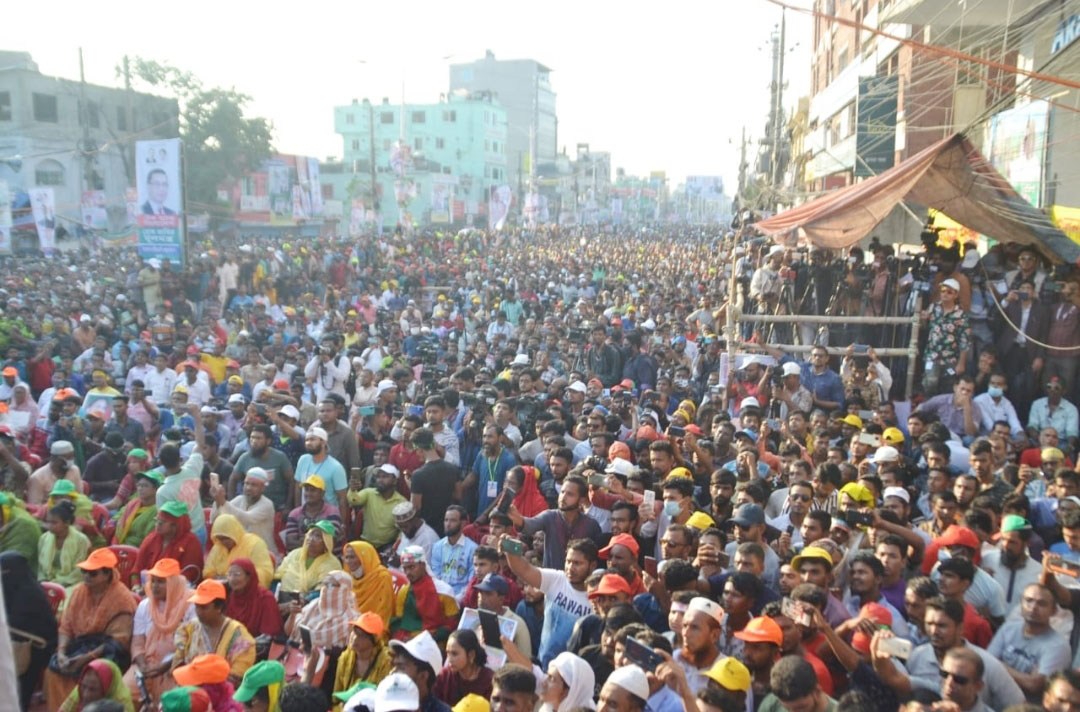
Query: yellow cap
{"points": [[811, 552], [893, 436], [700, 521], [472, 703], [730, 674], [860, 493], [852, 420], [1052, 454], [680, 472], [316, 482]]}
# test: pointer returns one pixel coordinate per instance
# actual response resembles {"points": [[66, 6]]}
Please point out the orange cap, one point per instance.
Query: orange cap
{"points": [[203, 670], [611, 584], [99, 559], [370, 622], [762, 630], [164, 568], [208, 591], [10, 371]]}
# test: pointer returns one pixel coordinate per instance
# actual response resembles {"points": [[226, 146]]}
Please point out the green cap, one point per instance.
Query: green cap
{"points": [[137, 452], [63, 488], [6, 498], [327, 526], [346, 695], [1014, 523], [185, 699], [176, 508], [258, 676], [153, 475]]}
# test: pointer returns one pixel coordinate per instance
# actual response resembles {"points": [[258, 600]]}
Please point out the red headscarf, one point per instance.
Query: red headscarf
{"points": [[254, 606], [529, 501]]}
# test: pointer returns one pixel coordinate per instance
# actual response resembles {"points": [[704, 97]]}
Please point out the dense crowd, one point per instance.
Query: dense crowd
{"points": [[496, 472]]}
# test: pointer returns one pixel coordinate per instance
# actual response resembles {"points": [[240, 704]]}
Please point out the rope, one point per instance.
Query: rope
{"points": [[1009, 321]]}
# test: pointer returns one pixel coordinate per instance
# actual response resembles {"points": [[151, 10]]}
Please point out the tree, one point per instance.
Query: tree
{"points": [[220, 143]]}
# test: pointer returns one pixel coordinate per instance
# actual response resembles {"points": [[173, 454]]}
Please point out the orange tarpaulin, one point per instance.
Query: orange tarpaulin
{"points": [[951, 176]]}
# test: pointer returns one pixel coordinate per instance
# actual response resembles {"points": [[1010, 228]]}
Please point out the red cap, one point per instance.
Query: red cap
{"points": [[611, 584], [647, 432], [621, 540], [281, 385], [877, 613], [193, 349], [618, 449], [627, 384], [693, 429]]}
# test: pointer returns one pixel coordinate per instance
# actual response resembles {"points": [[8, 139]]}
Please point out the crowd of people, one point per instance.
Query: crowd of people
{"points": [[495, 472]]}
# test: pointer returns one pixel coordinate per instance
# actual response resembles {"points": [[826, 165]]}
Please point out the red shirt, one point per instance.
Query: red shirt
{"points": [[407, 462], [976, 629]]}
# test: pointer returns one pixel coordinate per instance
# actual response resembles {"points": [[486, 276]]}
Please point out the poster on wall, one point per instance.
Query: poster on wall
{"points": [[1017, 140], [279, 188], [43, 205], [499, 197], [160, 199]]}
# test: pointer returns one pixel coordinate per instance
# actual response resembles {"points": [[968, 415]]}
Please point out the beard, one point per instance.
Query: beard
{"points": [[1010, 560]]}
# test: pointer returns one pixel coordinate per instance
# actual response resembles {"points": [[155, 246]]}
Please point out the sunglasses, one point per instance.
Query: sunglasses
{"points": [[960, 679]]}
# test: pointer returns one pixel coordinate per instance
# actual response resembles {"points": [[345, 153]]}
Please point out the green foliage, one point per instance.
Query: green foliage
{"points": [[220, 143]]}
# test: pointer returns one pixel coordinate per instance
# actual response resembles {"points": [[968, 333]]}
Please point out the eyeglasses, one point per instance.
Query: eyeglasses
{"points": [[959, 679], [800, 497]]}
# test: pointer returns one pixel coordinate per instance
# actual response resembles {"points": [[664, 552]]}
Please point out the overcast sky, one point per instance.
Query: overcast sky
{"points": [[663, 86]]}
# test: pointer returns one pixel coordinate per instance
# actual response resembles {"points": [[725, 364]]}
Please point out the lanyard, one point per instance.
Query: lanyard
{"points": [[493, 468]]}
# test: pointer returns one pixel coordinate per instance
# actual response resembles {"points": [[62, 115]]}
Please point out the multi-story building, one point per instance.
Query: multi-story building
{"points": [[74, 138], [460, 142], [523, 87]]}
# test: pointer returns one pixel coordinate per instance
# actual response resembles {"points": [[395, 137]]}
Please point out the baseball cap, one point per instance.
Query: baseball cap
{"points": [[185, 699], [1051, 454], [99, 559], [852, 420], [749, 515], [710, 608], [152, 475], [951, 284], [749, 402], [860, 493], [280, 385], [747, 433], [258, 676], [886, 453], [761, 630], [877, 613], [208, 591], [620, 466], [730, 674], [10, 371], [632, 679], [236, 380], [389, 469], [422, 647], [626, 540], [237, 398], [290, 411], [203, 670], [316, 482], [317, 432], [472, 703], [792, 369], [371, 623], [700, 521], [520, 360], [493, 583], [175, 508], [610, 584], [63, 488], [164, 568], [577, 386], [812, 553], [396, 692], [956, 535], [892, 435], [1014, 523]]}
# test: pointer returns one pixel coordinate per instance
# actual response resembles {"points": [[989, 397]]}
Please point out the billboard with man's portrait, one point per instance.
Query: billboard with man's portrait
{"points": [[159, 201]]}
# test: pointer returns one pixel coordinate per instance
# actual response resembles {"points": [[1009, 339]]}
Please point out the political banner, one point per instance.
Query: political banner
{"points": [[160, 199], [43, 204], [314, 187], [94, 214], [442, 189], [356, 219], [279, 188], [499, 197], [1017, 139], [5, 218]]}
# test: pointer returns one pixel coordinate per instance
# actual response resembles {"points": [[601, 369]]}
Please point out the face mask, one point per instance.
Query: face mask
{"points": [[672, 508], [995, 392], [681, 383]]}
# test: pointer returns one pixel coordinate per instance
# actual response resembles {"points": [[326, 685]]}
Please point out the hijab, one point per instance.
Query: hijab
{"points": [[249, 605], [374, 590], [329, 616], [166, 619], [112, 683], [579, 680], [246, 546], [529, 501], [297, 575]]}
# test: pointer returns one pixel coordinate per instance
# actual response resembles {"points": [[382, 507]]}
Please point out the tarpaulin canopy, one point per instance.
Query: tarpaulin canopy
{"points": [[951, 176]]}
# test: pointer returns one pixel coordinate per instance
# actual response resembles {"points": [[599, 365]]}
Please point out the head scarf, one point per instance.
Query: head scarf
{"points": [[374, 590], [529, 501], [297, 575], [579, 679], [244, 605], [330, 615], [248, 546], [24, 599], [112, 683], [166, 619]]}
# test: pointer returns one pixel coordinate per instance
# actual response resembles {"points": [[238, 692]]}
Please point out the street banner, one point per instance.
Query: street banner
{"points": [[356, 219], [875, 132], [94, 215], [5, 218], [43, 203], [160, 200], [314, 187], [279, 188], [1017, 140], [442, 188], [499, 197]]}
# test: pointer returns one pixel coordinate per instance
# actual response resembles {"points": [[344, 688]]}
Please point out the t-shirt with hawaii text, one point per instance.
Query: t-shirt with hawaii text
{"points": [[563, 606]]}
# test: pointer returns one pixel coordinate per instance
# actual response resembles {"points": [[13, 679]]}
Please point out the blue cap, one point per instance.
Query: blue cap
{"points": [[493, 583], [748, 433], [748, 515]]}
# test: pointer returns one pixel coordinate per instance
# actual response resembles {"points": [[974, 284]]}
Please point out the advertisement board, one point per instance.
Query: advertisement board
{"points": [[1017, 141], [875, 125], [43, 205], [499, 197], [159, 183]]}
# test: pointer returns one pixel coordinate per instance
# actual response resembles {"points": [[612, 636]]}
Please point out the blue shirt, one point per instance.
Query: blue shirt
{"points": [[825, 386], [491, 471], [330, 470], [453, 563], [1063, 419], [665, 700]]}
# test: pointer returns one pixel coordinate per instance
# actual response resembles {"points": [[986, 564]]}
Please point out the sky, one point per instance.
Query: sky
{"points": [[668, 86]]}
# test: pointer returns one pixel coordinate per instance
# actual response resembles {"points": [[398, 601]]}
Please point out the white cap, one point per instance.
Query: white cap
{"points": [[357, 361], [290, 411], [750, 402], [319, 433], [85, 319], [520, 360], [362, 698], [775, 250], [208, 410], [397, 693], [389, 469], [577, 386], [385, 385], [620, 466], [632, 679], [886, 453], [61, 448], [898, 492], [792, 369], [710, 608], [951, 284], [424, 648], [237, 398]]}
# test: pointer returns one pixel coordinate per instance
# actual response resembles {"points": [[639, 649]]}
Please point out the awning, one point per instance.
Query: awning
{"points": [[951, 176]]}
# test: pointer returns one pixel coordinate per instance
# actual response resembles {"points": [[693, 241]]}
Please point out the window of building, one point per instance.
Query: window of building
{"points": [[350, 119], [495, 146], [446, 170], [440, 143], [5, 106], [487, 171], [851, 120], [45, 108], [842, 60], [418, 144], [356, 144], [450, 116], [121, 119], [49, 172], [92, 116], [386, 117], [418, 117]]}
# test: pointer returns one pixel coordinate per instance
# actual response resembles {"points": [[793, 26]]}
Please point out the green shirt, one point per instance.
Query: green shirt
{"points": [[279, 470], [771, 703], [379, 529]]}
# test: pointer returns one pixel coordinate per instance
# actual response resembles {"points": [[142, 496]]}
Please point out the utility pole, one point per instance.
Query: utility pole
{"points": [[742, 167], [777, 112], [84, 115], [371, 162]]}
